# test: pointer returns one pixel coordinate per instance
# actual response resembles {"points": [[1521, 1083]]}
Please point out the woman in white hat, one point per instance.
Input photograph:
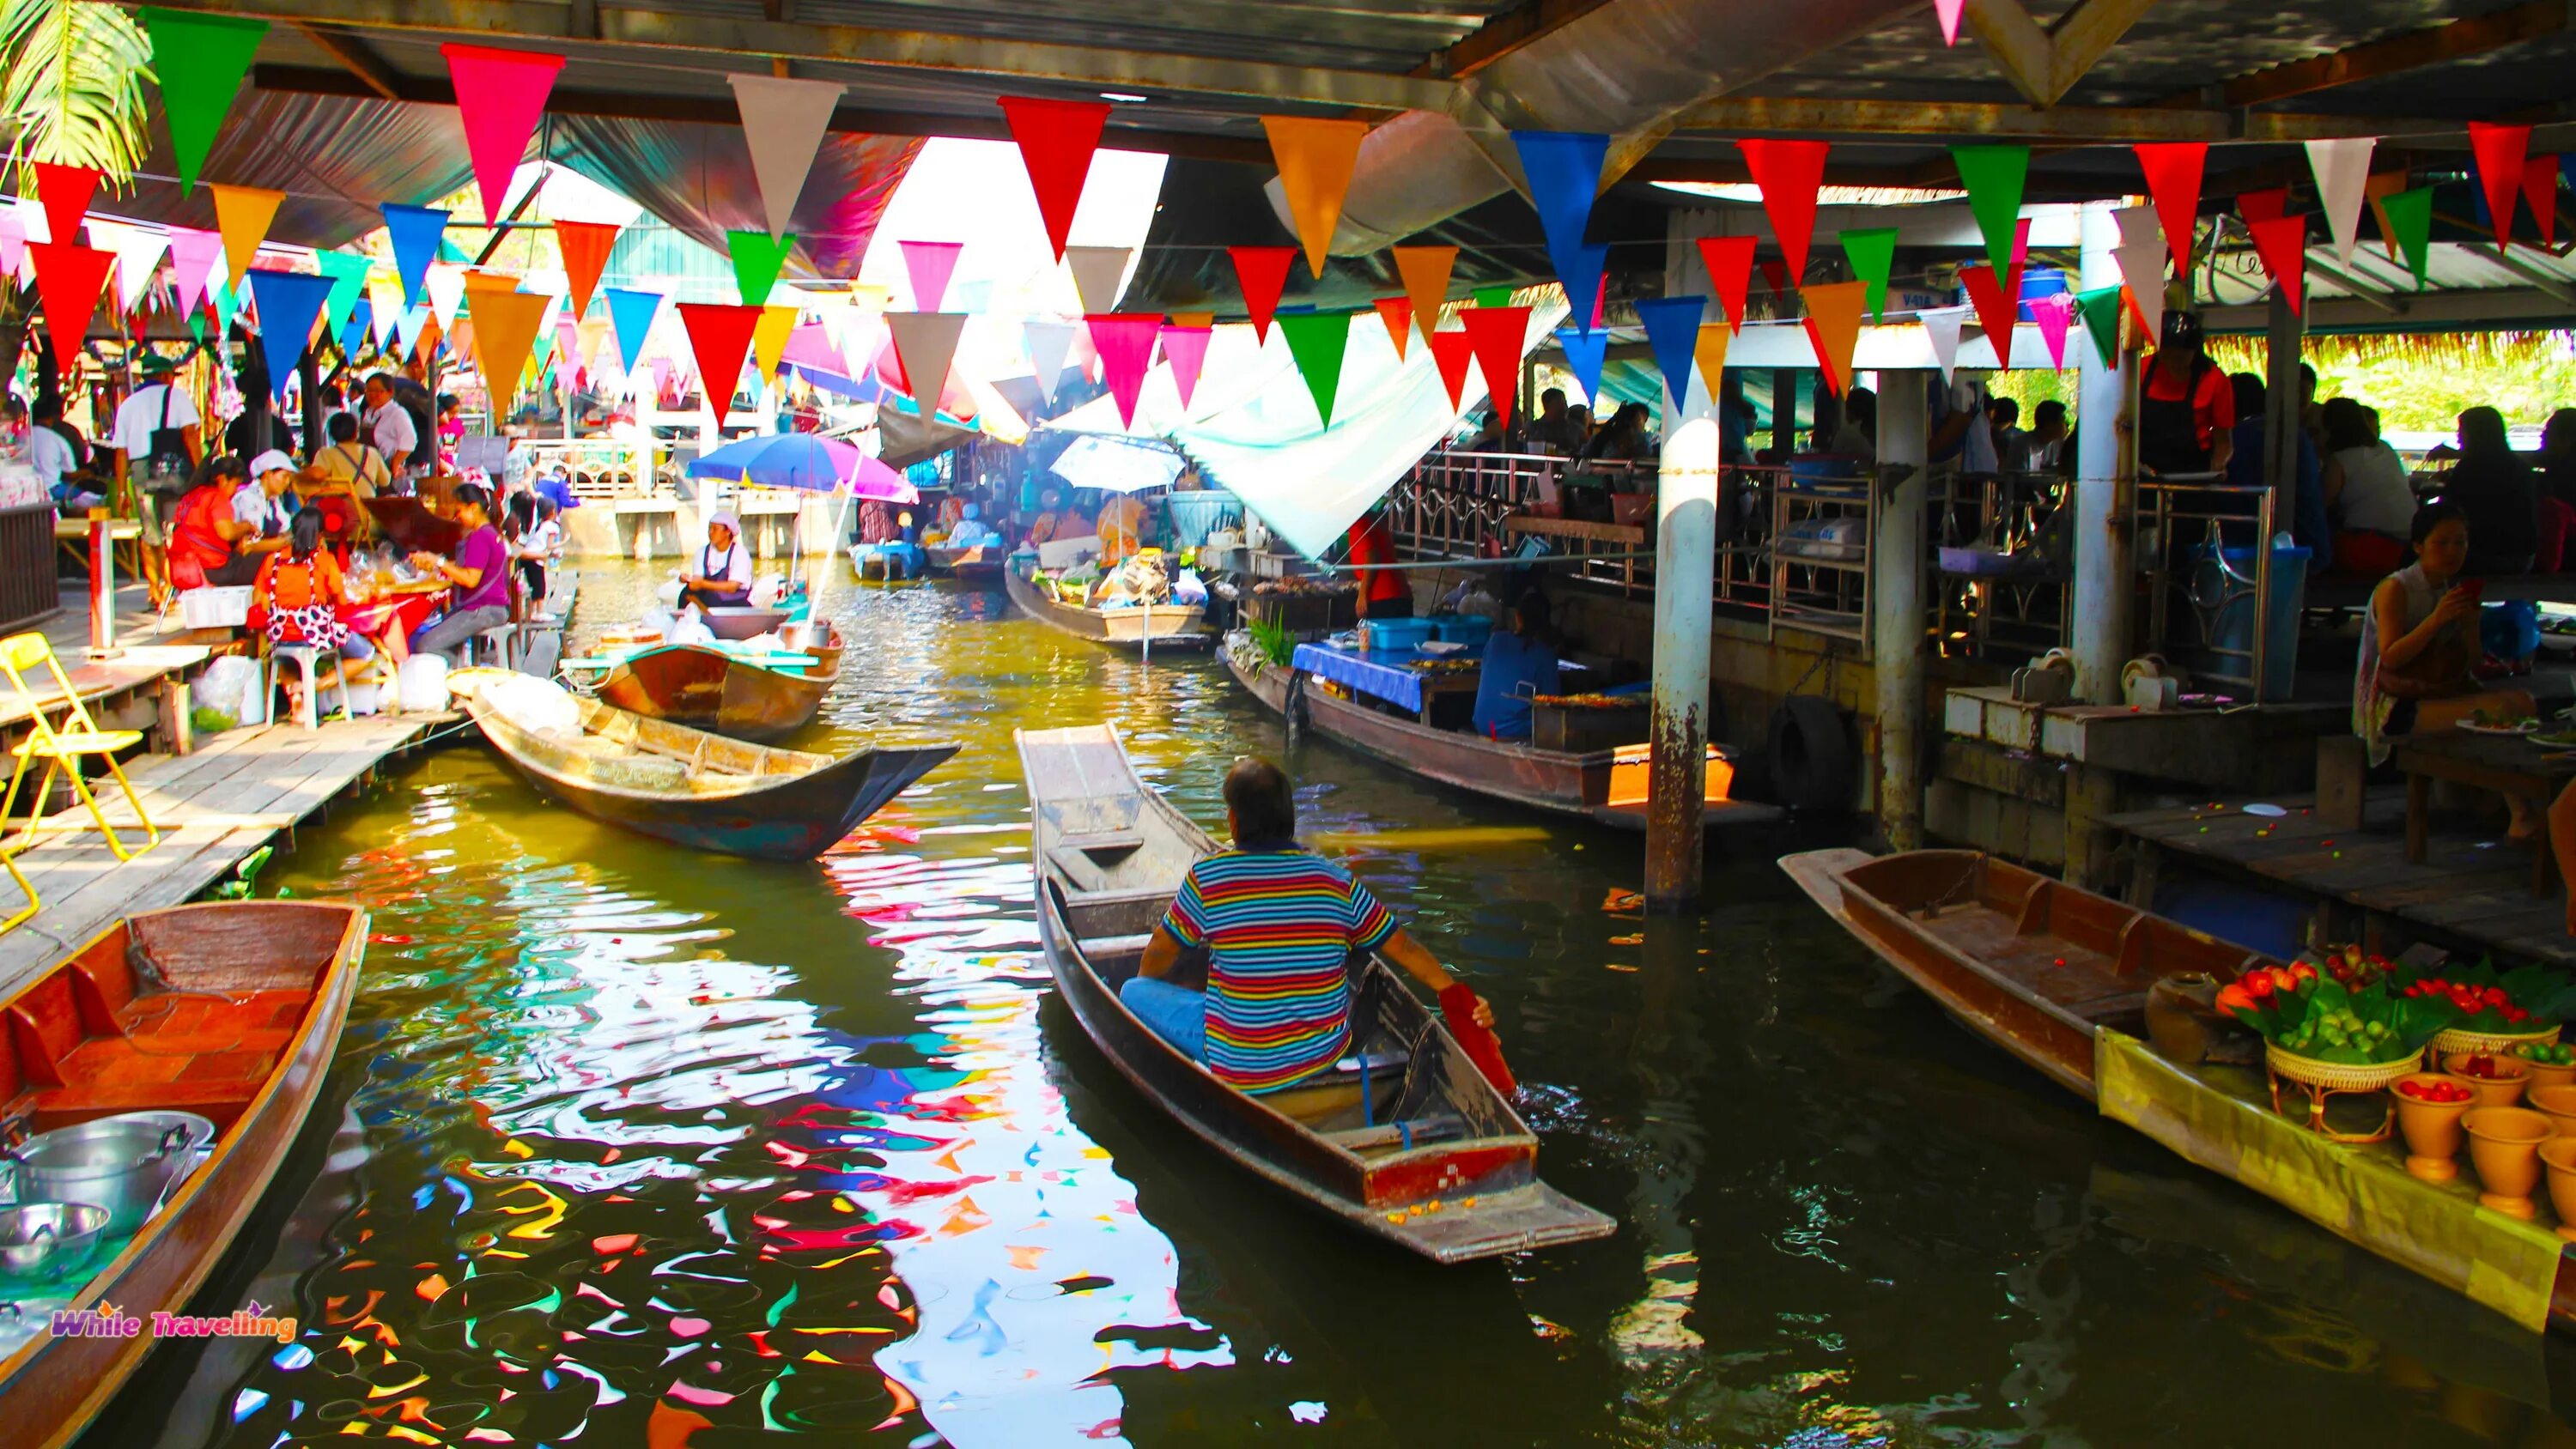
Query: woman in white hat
{"points": [[722, 578]]}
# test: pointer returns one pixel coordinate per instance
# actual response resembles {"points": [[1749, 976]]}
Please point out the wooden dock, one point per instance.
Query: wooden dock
{"points": [[2473, 888], [237, 791]]}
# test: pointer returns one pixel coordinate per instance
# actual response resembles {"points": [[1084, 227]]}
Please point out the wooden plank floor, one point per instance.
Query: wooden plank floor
{"points": [[2472, 886], [214, 807]]}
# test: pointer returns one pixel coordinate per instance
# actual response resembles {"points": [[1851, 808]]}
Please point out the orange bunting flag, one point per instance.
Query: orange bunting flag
{"points": [[585, 246], [505, 327], [242, 214], [1834, 314], [1315, 158], [1710, 354], [1425, 273], [1397, 313]]}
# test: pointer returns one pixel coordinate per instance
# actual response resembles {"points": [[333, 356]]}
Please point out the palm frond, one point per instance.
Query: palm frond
{"points": [[73, 87]]}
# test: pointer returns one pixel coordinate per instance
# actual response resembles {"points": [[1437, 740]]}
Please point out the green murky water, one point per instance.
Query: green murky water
{"points": [[628, 1145]]}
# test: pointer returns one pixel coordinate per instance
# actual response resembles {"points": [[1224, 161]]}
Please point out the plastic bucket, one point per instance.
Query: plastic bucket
{"points": [[2038, 282], [1470, 629], [2234, 628]]}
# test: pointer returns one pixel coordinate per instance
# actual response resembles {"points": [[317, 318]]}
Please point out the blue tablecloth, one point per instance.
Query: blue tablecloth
{"points": [[1380, 676]]}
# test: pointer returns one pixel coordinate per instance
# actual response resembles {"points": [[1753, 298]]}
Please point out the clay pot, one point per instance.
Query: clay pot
{"points": [[2504, 1146], [2547, 1074], [2558, 1104], [2179, 1009], [2432, 1129], [2504, 1089], [2558, 1154]]}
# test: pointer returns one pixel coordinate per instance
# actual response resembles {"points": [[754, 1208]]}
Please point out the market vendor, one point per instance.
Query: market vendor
{"points": [[723, 575], [1519, 664], [1120, 528], [1042, 529], [477, 577], [2186, 407], [1279, 925], [1383, 592], [970, 531]]}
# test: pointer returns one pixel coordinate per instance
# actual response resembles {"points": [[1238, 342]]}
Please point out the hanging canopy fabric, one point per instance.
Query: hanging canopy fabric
{"points": [[1117, 465]]}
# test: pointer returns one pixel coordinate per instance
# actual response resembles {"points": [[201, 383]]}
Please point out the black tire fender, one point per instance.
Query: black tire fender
{"points": [[1812, 760]]}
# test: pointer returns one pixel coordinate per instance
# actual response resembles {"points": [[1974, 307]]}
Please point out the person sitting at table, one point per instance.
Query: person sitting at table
{"points": [[722, 579], [218, 535], [58, 454], [1519, 664], [478, 577], [302, 592], [343, 474], [1120, 528], [2366, 490], [2309, 524], [2496, 496], [533, 552], [2413, 675]]}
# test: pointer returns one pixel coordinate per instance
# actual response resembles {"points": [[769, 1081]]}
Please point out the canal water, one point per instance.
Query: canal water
{"points": [[632, 1146]]}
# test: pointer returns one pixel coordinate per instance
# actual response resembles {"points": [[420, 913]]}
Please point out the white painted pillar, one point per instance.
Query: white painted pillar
{"points": [[1685, 582], [2106, 482]]}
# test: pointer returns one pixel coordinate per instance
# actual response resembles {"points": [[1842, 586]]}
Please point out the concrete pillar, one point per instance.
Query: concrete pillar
{"points": [[2106, 484], [1685, 575], [1784, 411], [1899, 642]]}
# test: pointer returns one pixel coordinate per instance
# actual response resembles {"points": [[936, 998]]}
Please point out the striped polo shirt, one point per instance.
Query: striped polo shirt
{"points": [[1279, 926]]}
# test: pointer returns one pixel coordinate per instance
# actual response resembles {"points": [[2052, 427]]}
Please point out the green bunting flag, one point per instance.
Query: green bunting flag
{"points": [[201, 60], [1872, 255], [1493, 296], [348, 274], [2410, 219], [1317, 341], [1993, 176], [2100, 309], [757, 259]]}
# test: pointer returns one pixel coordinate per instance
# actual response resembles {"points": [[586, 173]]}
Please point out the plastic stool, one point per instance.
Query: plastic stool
{"points": [[499, 646], [306, 657]]}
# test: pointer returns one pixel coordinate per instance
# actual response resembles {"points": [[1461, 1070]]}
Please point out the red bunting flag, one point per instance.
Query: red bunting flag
{"points": [[2540, 193], [1789, 174], [1730, 273], [2269, 205], [1775, 276], [2281, 244], [66, 192], [1496, 335], [500, 96], [1056, 140], [2173, 179], [720, 339], [2501, 151], [69, 280], [1451, 351], [1996, 311], [1263, 274], [1397, 313], [585, 246], [1125, 342]]}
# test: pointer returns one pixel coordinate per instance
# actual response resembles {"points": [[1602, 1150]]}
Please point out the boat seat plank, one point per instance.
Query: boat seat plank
{"points": [[1099, 947]]}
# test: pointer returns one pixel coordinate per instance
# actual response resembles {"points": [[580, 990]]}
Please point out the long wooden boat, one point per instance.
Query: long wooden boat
{"points": [[1406, 1121], [710, 689], [699, 789], [981, 564], [1604, 785], [230, 1011], [1153, 628]]}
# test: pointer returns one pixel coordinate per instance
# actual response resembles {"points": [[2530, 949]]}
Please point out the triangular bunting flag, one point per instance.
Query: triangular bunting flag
{"points": [[500, 96], [348, 274], [585, 246], [1948, 13], [1834, 312], [2500, 151], [138, 257], [2540, 193], [1500, 296], [1709, 354], [2281, 244], [1672, 330], [243, 213], [1317, 340], [65, 192], [1262, 272], [1425, 273], [2143, 268], [1941, 327], [2055, 315], [1789, 174], [2173, 180], [415, 232], [2100, 309], [1450, 352], [926, 344], [1563, 170], [13, 245], [1192, 319], [1993, 176], [445, 285], [2409, 215], [353, 338], [783, 121], [226, 303], [630, 315], [719, 338], [70, 278], [289, 303], [1185, 349], [769, 340], [1730, 273], [1056, 139], [1049, 344], [506, 322], [1995, 310], [203, 59], [1584, 275], [2139, 227], [385, 307], [1585, 353], [1314, 156], [1397, 314], [929, 265], [2270, 204], [1497, 335], [1099, 275], [758, 257], [2342, 170], [1125, 342], [1872, 254]]}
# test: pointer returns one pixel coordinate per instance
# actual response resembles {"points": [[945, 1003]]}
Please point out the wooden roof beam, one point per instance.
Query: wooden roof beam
{"points": [[358, 58], [2044, 64], [1501, 34], [2079, 125], [2393, 55]]}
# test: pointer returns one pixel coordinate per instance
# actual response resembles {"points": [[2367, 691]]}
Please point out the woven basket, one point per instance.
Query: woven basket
{"points": [[2339, 1076], [2491, 1043]]}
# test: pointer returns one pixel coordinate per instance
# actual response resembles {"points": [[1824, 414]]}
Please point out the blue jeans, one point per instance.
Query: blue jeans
{"points": [[1176, 1013]]}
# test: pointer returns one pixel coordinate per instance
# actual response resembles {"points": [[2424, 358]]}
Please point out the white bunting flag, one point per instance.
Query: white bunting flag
{"points": [[925, 343], [1099, 275], [384, 306], [2143, 268], [1049, 344], [1942, 326], [446, 288], [2342, 169], [2140, 227], [783, 122]]}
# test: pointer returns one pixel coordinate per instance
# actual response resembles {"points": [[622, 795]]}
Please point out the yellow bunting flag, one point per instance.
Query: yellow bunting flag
{"points": [[1315, 158], [1194, 319], [1834, 313], [242, 214], [769, 338], [505, 327], [1710, 354], [1425, 273]]}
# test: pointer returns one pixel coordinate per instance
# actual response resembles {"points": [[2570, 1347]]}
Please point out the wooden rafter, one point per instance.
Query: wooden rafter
{"points": [[1501, 34], [357, 58], [2044, 64], [1963, 120], [2391, 55]]}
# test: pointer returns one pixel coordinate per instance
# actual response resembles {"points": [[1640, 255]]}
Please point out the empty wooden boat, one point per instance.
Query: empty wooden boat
{"points": [[981, 564], [1604, 785], [229, 1011], [1405, 1122], [727, 691], [1148, 628], [695, 788]]}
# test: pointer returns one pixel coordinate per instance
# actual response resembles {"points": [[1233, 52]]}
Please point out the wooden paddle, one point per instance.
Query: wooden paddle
{"points": [[1458, 1006]]}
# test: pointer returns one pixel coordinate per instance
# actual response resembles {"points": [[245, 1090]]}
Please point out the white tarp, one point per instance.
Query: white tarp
{"points": [[1117, 465]]}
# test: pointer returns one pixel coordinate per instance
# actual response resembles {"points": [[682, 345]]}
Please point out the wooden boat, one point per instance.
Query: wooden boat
{"points": [[740, 621], [981, 564], [1111, 854], [1604, 785], [699, 789], [710, 689], [230, 1011], [1153, 628]]}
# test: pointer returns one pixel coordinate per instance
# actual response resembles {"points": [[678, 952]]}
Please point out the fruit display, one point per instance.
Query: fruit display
{"points": [[2349, 965], [2484, 1067], [2308, 1012], [2439, 1093], [2526, 1001], [2547, 1053]]}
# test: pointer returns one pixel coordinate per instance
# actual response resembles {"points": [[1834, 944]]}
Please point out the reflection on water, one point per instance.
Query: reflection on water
{"points": [[636, 1146]]}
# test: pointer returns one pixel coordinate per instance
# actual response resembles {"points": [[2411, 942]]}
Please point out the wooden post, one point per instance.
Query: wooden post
{"points": [[1901, 641]]}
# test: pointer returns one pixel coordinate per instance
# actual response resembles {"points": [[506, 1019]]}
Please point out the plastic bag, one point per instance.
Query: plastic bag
{"points": [[533, 704], [421, 684], [690, 628], [230, 686]]}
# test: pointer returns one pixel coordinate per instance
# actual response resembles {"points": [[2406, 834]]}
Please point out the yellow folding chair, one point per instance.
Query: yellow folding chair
{"points": [[61, 748]]}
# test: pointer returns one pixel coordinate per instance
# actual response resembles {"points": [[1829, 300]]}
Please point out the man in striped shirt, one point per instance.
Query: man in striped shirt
{"points": [[1279, 926]]}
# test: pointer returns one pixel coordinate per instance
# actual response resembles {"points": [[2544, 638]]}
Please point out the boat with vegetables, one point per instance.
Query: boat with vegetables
{"points": [[2286, 1077], [1148, 627]]}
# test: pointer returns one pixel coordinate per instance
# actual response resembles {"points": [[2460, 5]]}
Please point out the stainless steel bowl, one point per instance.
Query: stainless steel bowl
{"points": [[123, 1163], [49, 1239]]}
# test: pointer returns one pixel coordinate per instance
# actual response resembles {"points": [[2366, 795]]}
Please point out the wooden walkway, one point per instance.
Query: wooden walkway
{"points": [[214, 807], [2473, 887]]}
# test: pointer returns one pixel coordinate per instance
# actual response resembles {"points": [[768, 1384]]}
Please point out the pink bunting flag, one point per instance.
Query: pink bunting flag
{"points": [[1125, 342], [13, 243], [1185, 348], [930, 264], [193, 257], [500, 95], [2055, 315], [1949, 10]]}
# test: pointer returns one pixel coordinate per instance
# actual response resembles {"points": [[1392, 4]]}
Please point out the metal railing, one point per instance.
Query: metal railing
{"points": [[599, 467], [2005, 563], [2185, 531]]}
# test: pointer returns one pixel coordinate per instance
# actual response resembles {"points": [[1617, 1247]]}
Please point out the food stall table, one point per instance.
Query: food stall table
{"points": [[2510, 764], [1402, 678]]}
